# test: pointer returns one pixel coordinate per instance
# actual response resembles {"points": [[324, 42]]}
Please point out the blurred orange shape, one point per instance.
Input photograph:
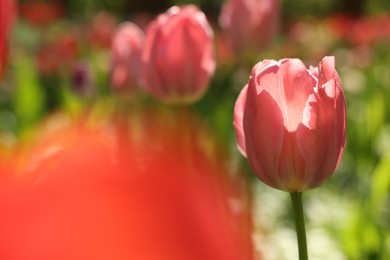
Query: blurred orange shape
{"points": [[133, 188]]}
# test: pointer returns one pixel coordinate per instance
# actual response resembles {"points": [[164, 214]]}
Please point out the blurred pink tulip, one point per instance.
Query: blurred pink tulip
{"points": [[178, 56], [7, 16], [126, 56], [293, 128], [251, 25]]}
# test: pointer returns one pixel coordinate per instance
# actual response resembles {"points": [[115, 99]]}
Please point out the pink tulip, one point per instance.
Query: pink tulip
{"points": [[7, 16], [178, 56], [251, 25], [126, 56], [291, 123]]}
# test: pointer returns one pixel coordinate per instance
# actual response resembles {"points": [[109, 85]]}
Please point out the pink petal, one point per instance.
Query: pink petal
{"points": [[310, 112], [250, 24], [264, 131], [327, 71], [259, 67], [235, 18], [341, 121], [201, 56], [291, 164], [150, 79], [240, 107], [238, 120], [290, 85], [314, 71], [126, 55], [322, 147]]}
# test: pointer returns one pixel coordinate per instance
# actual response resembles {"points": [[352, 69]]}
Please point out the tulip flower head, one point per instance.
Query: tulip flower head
{"points": [[178, 57], [251, 25], [126, 56], [290, 123]]}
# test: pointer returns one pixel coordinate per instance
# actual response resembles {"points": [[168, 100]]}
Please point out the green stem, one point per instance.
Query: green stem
{"points": [[296, 198]]}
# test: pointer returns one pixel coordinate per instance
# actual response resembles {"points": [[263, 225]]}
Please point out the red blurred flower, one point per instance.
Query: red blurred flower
{"points": [[7, 17], [291, 123], [58, 54], [101, 31], [41, 12], [251, 25], [150, 186], [178, 57], [126, 56], [365, 30], [339, 24], [383, 22]]}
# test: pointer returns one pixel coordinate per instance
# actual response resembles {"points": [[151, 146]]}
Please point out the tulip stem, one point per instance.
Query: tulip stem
{"points": [[296, 198]]}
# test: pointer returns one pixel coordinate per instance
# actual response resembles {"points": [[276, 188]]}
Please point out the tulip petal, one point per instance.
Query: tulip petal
{"points": [[238, 120], [310, 112], [171, 50], [259, 67], [264, 131], [298, 85], [250, 25], [239, 107], [313, 71], [291, 168], [323, 146], [200, 56], [238, 30], [150, 75], [290, 85], [326, 70], [126, 49]]}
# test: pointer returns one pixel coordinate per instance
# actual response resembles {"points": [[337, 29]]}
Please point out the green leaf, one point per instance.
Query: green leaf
{"points": [[29, 97]]}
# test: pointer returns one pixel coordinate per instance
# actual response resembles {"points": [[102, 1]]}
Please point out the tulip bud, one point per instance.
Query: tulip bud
{"points": [[7, 16], [251, 25], [126, 56], [293, 128], [178, 56]]}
